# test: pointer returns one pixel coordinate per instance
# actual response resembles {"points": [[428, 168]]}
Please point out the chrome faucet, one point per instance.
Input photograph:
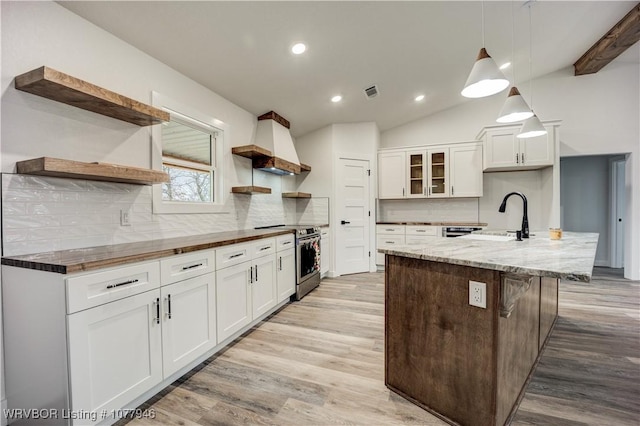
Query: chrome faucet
{"points": [[525, 219]]}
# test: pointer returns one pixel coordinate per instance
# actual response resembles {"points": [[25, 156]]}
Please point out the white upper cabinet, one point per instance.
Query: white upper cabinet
{"points": [[503, 151], [392, 174], [466, 170], [438, 173]]}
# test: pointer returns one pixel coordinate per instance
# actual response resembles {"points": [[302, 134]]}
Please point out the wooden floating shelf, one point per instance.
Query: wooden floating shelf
{"points": [[251, 151], [56, 167], [304, 168], [249, 190], [296, 195], [57, 86]]}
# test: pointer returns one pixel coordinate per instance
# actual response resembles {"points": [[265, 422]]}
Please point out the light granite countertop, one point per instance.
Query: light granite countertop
{"points": [[570, 258]]}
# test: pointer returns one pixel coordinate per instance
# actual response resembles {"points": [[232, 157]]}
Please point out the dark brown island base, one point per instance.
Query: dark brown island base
{"points": [[470, 365]]}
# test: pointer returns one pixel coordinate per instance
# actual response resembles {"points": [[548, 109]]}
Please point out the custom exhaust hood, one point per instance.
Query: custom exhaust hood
{"points": [[273, 150]]}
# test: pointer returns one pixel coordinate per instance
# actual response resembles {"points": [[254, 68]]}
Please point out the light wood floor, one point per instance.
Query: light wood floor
{"points": [[320, 362]]}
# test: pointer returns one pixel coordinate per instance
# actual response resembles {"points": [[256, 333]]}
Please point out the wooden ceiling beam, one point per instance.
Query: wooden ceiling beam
{"points": [[620, 37]]}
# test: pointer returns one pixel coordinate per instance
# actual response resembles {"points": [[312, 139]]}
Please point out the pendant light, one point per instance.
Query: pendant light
{"points": [[532, 127], [515, 107], [485, 78]]}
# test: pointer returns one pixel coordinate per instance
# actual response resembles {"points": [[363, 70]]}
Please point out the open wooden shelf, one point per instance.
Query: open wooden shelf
{"points": [[296, 195], [304, 168], [56, 167], [249, 190], [57, 86], [251, 151]]}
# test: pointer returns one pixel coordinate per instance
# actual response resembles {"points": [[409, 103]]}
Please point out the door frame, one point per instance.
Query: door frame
{"points": [[373, 179], [616, 211]]}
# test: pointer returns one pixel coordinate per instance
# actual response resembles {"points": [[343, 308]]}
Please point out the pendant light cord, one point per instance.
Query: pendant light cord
{"points": [[530, 60], [482, 6], [513, 44]]}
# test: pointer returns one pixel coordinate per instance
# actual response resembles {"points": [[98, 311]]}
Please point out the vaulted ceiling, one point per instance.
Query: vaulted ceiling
{"points": [[241, 50]]}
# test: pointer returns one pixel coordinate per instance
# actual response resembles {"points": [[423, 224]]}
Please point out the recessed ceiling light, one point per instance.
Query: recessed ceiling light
{"points": [[419, 98], [505, 65], [336, 98], [298, 48]]}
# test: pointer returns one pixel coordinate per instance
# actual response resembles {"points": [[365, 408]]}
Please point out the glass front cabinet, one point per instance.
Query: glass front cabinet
{"points": [[428, 173]]}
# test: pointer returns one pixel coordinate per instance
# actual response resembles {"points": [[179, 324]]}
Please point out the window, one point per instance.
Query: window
{"points": [[190, 149]]}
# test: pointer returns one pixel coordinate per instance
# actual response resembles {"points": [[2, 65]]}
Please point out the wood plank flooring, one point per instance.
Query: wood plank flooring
{"points": [[320, 361]]}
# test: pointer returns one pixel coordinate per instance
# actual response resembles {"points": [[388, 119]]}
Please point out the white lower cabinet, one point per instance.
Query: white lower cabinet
{"points": [[115, 353], [286, 274], [233, 295], [188, 321], [264, 291]]}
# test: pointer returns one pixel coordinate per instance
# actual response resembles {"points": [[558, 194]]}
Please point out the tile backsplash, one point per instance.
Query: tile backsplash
{"points": [[426, 210], [42, 214]]}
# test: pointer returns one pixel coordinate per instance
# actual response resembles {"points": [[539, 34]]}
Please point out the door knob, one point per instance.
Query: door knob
{"points": [[344, 222]]}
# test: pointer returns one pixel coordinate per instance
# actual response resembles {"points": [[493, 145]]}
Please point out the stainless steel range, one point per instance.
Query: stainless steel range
{"points": [[307, 258]]}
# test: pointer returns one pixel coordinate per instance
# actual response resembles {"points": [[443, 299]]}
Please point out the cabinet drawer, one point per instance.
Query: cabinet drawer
{"points": [[183, 266], [414, 240], [425, 230], [263, 247], [89, 290], [284, 242], [390, 229], [384, 241], [232, 255]]}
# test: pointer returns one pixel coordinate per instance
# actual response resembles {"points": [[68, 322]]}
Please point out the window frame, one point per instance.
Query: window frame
{"points": [[193, 118]]}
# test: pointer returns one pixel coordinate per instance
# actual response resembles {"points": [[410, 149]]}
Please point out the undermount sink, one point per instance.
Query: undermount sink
{"points": [[486, 237]]}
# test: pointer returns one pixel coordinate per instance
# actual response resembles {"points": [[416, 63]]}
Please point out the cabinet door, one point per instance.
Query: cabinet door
{"points": [[538, 151], [286, 274], [233, 299], [466, 170], [501, 149], [188, 321], [416, 174], [115, 352], [387, 241], [264, 291], [391, 174], [438, 171]]}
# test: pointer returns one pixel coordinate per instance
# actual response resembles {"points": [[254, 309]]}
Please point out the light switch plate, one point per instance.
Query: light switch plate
{"points": [[125, 217]]}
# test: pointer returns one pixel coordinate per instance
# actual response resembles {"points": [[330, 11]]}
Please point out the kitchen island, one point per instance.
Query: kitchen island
{"points": [[467, 364]]}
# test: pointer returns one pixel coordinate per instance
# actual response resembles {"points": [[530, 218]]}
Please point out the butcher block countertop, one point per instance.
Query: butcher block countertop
{"points": [[91, 258], [435, 223]]}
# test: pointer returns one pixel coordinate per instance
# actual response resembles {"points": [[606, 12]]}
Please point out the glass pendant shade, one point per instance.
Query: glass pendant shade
{"points": [[531, 128], [515, 108], [485, 78]]}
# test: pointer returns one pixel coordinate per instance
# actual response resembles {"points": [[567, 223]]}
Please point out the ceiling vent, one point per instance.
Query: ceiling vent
{"points": [[371, 92]]}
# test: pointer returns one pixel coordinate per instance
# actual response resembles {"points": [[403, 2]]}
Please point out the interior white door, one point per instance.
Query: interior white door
{"points": [[617, 258], [352, 209]]}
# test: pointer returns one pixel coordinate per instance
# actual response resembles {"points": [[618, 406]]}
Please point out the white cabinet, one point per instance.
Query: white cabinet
{"points": [[325, 251], [438, 171], [114, 352], [504, 151], [465, 170], [247, 289], [286, 267], [233, 299], [392, 174], [188, 321], [388, 236]]}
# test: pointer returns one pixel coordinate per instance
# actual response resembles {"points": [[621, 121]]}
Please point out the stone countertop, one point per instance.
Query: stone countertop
{"points": [[434, 223], [570, 258], [91, 258]]}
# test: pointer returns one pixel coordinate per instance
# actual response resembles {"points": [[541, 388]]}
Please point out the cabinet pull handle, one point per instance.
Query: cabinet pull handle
{"points": [[517, 158], [235, 255], [452, 190], [424, 190], [286, 243], [251, 275], [522, 157], [387, 229], [256, 273], [389, 242], [157, 310], [169, 305], [123, 283], [403, 192], [421, 230], [281, 263], [265, 248], [429, 190], [184, 268]]}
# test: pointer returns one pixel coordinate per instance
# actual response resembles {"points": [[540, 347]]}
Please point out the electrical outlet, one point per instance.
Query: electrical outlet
{"points": [[125, 217], [478, 294]]}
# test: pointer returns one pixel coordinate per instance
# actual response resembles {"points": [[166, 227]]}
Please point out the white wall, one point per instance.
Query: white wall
{"points": [[585, 183], [599, 114], [3, 402]]}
